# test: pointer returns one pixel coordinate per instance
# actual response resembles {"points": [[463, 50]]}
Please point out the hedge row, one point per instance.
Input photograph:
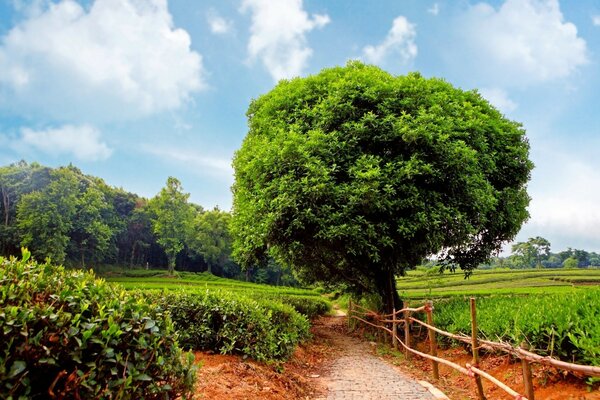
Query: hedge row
{"points": [[309, 306], [66, 334], [233, 323]]}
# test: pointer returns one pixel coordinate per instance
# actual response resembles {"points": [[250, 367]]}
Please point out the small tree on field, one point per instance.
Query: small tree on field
{"points": [[570, 263], [171, 216], [354, 175]]}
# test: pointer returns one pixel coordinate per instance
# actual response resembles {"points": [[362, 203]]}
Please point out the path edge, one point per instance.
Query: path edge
{"points": [[437, 393]]}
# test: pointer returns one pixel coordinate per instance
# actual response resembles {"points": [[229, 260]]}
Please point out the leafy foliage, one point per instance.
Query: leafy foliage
{"points": [[70, 334], [232, 323], [354, 175], [566, 326], [171, 217]]}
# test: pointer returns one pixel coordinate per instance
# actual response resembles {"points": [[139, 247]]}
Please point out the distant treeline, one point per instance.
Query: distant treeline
{"points": [[79, 220], [536, 253]]}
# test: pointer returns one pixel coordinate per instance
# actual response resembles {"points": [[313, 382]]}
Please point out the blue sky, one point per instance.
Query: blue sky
{"points": [[135, 91]]}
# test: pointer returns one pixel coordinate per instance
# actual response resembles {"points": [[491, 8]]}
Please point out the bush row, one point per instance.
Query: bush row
{"points": [[309, 306], [563, 325], [66, 334], [233, 323]]}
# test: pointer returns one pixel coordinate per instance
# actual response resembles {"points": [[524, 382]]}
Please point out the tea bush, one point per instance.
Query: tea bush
{"points": [[66, 334], [563, 325], [309, 306], [232, 323]]}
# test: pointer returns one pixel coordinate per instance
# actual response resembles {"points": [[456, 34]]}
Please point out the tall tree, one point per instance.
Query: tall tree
{"points": [[171, 216], [90, 234], [354, 175], [210, 237], [533, 251], [45, 218], [17, 180]]}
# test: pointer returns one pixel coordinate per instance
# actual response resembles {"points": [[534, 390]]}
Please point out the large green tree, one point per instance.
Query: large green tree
{"points": [[171, 216], [354, 175]]}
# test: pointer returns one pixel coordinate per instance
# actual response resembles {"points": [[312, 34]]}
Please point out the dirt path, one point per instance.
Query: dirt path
{"points": [[356, 373]]}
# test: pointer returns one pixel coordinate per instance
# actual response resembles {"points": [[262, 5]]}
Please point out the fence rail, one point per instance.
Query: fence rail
{"points": [[389, 323]]}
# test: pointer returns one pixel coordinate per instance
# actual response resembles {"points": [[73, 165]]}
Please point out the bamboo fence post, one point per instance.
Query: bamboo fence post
{"points": [[350, 314], [475, 346], [527, 379], [432, 340], [394, 328], [406, 330]]}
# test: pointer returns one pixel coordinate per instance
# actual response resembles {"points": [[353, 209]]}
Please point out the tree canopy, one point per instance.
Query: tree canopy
{"points": [[354, 175], [171, 217]]}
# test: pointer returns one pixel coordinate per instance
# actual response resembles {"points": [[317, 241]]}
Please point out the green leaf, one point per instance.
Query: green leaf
{"points": [[17, 368]]}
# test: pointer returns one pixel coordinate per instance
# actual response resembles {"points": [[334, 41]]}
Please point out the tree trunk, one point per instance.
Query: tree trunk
{"points": [[81, 250], [386, 287], [209, 269], [172, 260]]}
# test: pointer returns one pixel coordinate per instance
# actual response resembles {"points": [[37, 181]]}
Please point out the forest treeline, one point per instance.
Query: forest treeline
{"points": [[78, 220]]}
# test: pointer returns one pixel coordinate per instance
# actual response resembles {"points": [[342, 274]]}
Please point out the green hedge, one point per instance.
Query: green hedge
{"points": [[309, 306], [67, 333], [232, 323]]}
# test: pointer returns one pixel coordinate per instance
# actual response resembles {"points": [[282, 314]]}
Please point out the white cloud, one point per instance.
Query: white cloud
{"points": [[564, 206], [278, 35], [218, 25], [523, 41], [81, 141], [434, 9], [400, 39], [118, 59], [201, 163], [499, 99], [596, 20]]}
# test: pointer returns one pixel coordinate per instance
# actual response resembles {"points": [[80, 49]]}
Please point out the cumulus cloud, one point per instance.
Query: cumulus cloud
{"points": [[278, 35], [116, 59], [564, 206], [499, 99], [596, 20], [523, 41], [82, 141], [400, 40], [218, 25]]}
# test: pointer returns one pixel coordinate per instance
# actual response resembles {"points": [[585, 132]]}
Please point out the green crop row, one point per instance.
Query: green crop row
{"points": [[561, 325]]}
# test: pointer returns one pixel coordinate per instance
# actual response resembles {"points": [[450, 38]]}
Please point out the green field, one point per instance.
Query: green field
{"points": [[421, 284], [188, 281]]}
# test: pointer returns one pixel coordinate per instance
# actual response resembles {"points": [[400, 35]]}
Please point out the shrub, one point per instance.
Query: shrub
{"points": [[309, 306], [231, 323], [66, 334]]}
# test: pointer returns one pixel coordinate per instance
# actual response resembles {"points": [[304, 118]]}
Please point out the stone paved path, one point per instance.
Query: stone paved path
{"points": [[357, 374]]}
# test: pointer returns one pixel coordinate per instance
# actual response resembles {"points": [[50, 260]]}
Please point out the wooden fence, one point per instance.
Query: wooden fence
{"points": [[390, 322]]}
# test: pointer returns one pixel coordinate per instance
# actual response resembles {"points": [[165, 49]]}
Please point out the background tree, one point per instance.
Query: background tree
{"points": [[91, 233], [570, 263], [533, 251], [17, 180], [354, 175], [171, 216], [45, 218], [211, 239]]}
